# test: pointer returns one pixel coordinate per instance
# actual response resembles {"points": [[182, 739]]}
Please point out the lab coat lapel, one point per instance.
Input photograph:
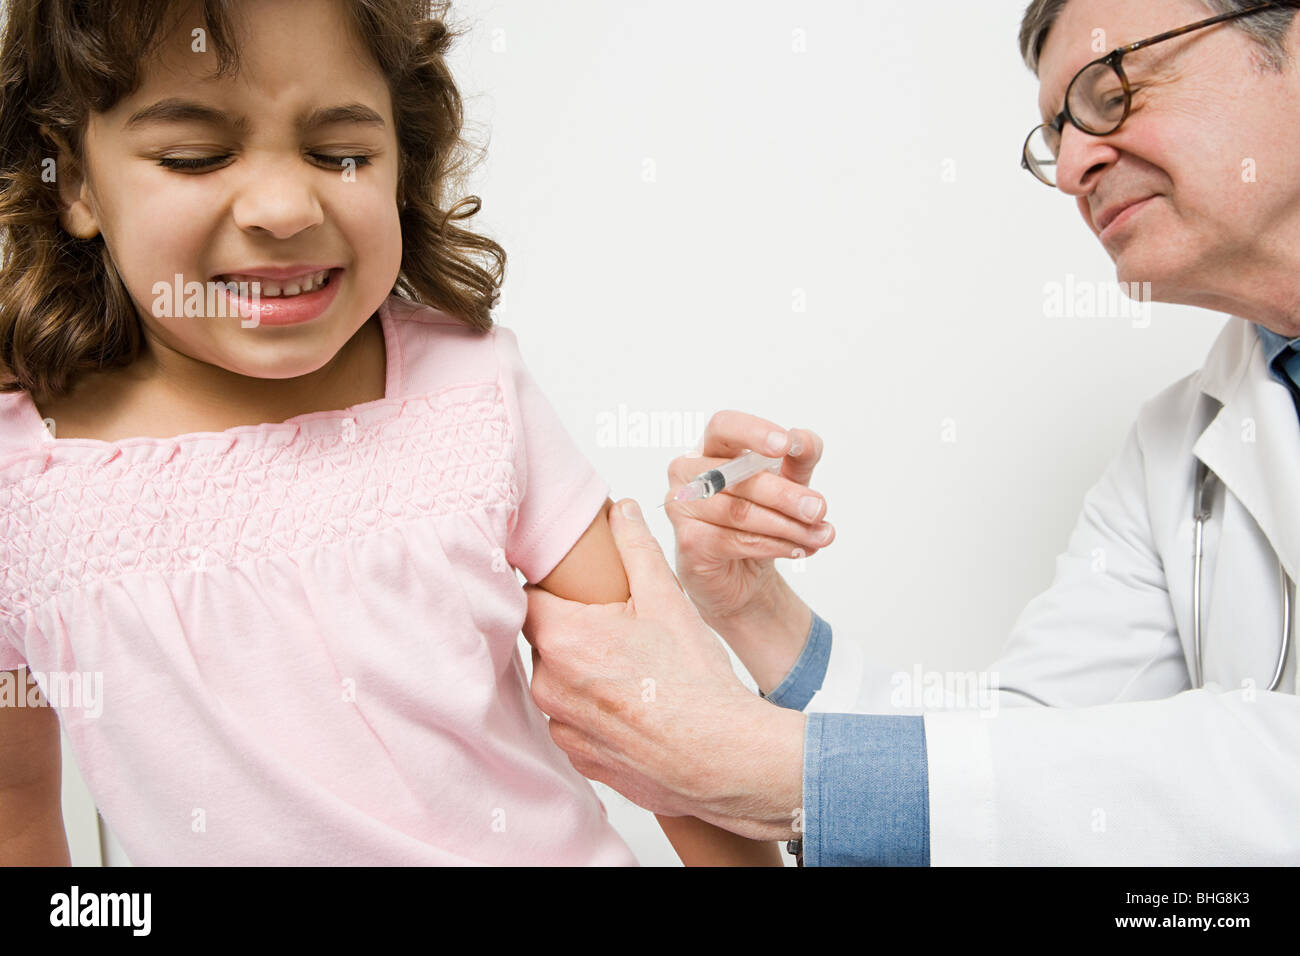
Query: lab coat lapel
{"points": [[1253, 444]]}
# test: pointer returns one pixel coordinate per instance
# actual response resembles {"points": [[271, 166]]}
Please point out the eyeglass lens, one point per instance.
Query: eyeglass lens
{"points": [[1096, 100]]}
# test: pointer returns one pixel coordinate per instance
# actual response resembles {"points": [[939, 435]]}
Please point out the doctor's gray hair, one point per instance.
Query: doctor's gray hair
{"points": [[1267, 29]]}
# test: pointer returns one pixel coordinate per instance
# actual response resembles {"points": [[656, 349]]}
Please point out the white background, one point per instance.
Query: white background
{"points": [[670, 177]]}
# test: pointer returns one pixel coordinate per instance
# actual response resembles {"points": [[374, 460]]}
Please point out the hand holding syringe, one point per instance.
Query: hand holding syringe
{"points": [[709, 483], [726, 543]]}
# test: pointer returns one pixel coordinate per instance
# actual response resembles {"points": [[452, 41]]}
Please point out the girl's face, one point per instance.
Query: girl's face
{"points": [[270, 189]]}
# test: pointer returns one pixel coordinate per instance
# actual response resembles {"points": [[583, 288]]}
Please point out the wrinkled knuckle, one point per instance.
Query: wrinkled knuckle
{"points": [[608, 697], [702, 544], [739, 509]]}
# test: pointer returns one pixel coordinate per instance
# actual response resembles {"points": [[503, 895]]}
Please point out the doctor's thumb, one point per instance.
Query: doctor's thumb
{"points": [[644, 561]]}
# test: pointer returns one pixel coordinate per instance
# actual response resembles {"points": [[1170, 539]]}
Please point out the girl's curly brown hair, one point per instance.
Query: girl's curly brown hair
{"points": [[60, 59]]}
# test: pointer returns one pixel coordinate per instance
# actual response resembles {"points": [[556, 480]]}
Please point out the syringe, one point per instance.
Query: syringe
{"points": [[709, 483]]}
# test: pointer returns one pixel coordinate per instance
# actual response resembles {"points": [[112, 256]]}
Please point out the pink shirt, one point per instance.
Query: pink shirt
{"points": [[305, 633]]}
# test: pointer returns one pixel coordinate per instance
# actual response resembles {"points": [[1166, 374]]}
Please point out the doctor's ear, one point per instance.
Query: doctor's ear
{"points": [[75, 213]]}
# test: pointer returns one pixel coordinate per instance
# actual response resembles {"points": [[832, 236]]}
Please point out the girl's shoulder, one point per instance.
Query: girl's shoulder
{"points": [[433, 350], [21, 425]]}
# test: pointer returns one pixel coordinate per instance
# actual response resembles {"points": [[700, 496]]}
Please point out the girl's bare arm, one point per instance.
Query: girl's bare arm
{"points": [[592, 573]]}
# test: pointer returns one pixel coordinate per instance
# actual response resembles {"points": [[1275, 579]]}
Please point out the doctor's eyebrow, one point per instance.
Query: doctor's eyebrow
{"points": [[177, 110]]}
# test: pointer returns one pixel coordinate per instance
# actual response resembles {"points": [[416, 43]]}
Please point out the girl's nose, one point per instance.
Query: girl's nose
{"points": [[282, 204]]}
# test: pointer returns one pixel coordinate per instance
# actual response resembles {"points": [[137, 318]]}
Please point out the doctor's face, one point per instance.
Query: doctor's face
{"points": [[1211, 138]]}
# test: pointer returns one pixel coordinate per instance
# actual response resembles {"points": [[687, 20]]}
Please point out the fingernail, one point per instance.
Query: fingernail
{"points": [[796, 445], [809, 507], [824, 534], [630, 510], [775, 442]]}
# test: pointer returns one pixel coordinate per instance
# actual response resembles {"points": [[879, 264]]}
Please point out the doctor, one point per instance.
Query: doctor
{"points": [[1147, 710]]}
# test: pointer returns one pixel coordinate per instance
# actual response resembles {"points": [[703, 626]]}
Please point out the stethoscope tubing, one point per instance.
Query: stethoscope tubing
{"points": [[1205, 480]]}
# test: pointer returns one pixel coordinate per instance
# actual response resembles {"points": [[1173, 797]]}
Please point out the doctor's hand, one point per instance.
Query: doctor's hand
{"points": [[726, 544], [642, 697]]}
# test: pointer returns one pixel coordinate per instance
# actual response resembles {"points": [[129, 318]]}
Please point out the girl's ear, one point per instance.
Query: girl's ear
{"points": [[76, 216]]}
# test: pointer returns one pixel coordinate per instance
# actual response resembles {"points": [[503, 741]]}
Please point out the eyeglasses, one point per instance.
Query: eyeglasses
{"points": [[1099, 98]]}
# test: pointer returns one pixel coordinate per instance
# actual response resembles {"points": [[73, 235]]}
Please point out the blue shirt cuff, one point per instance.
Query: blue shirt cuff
{"points": [[866, 791], [806, 676]]}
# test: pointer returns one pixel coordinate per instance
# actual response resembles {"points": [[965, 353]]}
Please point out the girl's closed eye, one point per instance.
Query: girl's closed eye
{"points": [[209, 162]]}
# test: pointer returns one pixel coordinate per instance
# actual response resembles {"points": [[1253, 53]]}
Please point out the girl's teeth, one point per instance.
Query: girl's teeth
{"points": [[272, 289]]}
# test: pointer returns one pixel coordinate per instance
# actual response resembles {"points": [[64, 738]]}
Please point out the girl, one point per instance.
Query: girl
{"points": [[267, 467]]}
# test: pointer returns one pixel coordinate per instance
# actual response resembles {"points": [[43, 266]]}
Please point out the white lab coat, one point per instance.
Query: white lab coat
{"points": [[1129, 765]]}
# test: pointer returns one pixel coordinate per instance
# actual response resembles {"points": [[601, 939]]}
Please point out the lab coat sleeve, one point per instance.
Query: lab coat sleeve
{"points": [[1200, 778]]}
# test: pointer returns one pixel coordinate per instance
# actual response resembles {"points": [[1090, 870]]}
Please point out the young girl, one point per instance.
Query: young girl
{"points": [[279, 538]]}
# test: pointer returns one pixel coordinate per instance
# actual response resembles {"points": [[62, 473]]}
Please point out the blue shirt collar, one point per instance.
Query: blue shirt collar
{"points": [[1274, 346]]}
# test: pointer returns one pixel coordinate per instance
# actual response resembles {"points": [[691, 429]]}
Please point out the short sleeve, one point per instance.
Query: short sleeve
{"points": [[560, 492]]}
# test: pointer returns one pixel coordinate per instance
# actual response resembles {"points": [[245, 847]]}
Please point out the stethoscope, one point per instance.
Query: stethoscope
{"points": [[1205, 480]]}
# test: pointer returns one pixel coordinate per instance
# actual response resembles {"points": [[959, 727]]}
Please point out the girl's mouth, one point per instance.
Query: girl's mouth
{"points": [[281, 288], [261, 301]]}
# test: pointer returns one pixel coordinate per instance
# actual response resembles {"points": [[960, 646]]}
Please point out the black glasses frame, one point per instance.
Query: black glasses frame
{"points": [[1114, 60]]}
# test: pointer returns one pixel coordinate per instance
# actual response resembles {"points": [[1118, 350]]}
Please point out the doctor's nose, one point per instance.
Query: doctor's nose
{"points": [[1081, 160]]}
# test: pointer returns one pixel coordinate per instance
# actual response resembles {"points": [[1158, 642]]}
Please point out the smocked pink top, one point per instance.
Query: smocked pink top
{"points": [[304, 634]]}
